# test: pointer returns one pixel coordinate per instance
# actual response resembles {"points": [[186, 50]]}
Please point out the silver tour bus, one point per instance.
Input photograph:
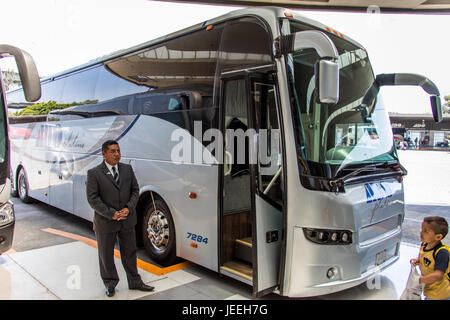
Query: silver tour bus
{"points": [[32, 91], [262, 149]]}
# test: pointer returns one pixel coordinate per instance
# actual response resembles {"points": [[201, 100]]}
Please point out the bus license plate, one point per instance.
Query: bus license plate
{"points": [[380, 258]]}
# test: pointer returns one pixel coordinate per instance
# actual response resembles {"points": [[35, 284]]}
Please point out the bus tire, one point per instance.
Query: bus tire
{"points": [[158, 233], [22, 186]]}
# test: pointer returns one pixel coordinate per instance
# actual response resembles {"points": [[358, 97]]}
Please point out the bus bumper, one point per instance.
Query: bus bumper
{"points": [[354, 264], [346, 284], [7, 229]]}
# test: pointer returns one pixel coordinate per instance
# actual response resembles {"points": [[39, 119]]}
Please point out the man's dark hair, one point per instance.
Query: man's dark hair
{"points": [[438, 224], [108, 143]]}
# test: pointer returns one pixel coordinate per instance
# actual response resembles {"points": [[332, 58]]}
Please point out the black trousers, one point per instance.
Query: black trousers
{"points": [[127, 245]]}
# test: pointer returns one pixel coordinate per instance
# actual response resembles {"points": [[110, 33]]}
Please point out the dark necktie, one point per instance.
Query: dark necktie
{"points": [[116, 175]]}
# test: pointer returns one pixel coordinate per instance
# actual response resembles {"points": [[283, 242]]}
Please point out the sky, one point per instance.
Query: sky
{"points": [[61, 34]]}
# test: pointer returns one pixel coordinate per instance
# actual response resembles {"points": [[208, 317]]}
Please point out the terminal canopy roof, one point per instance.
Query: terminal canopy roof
{"points": [[371, 6]]}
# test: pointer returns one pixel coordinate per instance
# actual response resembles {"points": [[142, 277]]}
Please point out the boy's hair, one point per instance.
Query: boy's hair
{"points": [[438, 224], [108, 143]]}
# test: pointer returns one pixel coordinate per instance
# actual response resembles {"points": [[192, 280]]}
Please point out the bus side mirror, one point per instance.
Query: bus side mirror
{"points": [[436, 108], [326, 68], [27, 71], [410, 79], [327, 81]]}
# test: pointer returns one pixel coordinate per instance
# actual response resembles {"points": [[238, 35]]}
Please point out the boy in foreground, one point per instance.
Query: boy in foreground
{"points": [[433, 259]]}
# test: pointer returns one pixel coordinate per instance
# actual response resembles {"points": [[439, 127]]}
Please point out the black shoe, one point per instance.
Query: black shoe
{"points": [[110, 292], [142, 287]]}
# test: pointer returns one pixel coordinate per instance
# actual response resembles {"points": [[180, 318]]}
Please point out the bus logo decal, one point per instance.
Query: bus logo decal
{"points": [[377, 191]]}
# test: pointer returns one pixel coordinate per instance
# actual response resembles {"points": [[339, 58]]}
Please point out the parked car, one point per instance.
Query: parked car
{"points": [[442, 144]]}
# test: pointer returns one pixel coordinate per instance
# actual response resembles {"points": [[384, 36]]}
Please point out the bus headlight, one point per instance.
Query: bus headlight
{"points": [[6, 214], [324, 236]]}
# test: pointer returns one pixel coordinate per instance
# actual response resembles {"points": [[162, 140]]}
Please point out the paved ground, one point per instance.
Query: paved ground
{"points": [[414, 215], [428, 179], [427, 189]]}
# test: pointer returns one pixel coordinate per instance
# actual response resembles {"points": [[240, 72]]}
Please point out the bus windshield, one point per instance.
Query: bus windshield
{"points": [[330, 137]]}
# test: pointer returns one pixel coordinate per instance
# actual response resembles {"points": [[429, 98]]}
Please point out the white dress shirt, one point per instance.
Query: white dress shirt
{"points": [[110, 168]]}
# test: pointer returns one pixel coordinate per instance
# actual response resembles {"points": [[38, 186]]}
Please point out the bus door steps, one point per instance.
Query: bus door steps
{"points": [[238, 270], [243, 249]]}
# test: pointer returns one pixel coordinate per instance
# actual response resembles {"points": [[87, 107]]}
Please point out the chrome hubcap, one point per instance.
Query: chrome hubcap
{"points": [[158, 230], [22, 186]]}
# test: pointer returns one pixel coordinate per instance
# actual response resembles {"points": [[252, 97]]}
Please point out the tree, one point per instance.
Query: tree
{"points": [[11, 79], [446, 106], [46, 107]]}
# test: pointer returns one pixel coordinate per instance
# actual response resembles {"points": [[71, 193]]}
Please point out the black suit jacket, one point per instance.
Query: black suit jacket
{"points": [[106, 197]]}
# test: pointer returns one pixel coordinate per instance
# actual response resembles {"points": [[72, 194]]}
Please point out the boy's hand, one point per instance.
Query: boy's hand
{"points": [[414, 262], [437, 275]]}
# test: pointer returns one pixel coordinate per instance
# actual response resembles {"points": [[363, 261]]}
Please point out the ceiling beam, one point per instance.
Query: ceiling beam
{"points": [[389, 6]]}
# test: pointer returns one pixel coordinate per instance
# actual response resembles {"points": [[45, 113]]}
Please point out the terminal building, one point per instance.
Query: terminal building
{"points": [[420, 130]]}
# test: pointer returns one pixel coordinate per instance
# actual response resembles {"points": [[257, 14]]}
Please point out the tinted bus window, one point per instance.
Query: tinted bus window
{"points": [[179, 76], [110, 85], [245, 43], [52, 90], [156, 103], [119, 105], [16, 101], [80, 86], [185, 61]]}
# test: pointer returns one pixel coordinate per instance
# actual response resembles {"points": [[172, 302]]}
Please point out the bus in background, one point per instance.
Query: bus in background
{"points": [[262, 149], [32, 91]]}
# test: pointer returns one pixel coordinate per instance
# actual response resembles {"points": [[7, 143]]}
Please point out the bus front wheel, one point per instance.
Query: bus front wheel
{"points": [[22, 186], [158, 233]]}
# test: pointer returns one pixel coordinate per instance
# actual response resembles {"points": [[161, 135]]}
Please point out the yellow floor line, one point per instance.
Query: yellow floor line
{"points": [[140, 263], [10, 251]]}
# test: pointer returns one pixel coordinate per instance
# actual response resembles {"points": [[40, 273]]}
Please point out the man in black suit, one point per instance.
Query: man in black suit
{"points": [[112, 191]]}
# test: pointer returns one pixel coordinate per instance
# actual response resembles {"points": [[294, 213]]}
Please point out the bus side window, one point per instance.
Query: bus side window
{"points": [[174, 105], [110, 86], [52, 90], [80, 86], [153, 103], [244, 43]]}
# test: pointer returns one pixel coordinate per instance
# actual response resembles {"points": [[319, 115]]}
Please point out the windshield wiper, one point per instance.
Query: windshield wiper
{"points": [[386, 166]]}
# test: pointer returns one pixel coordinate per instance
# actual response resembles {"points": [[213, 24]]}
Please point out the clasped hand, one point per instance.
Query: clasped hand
{"points": [[121, 214]]}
